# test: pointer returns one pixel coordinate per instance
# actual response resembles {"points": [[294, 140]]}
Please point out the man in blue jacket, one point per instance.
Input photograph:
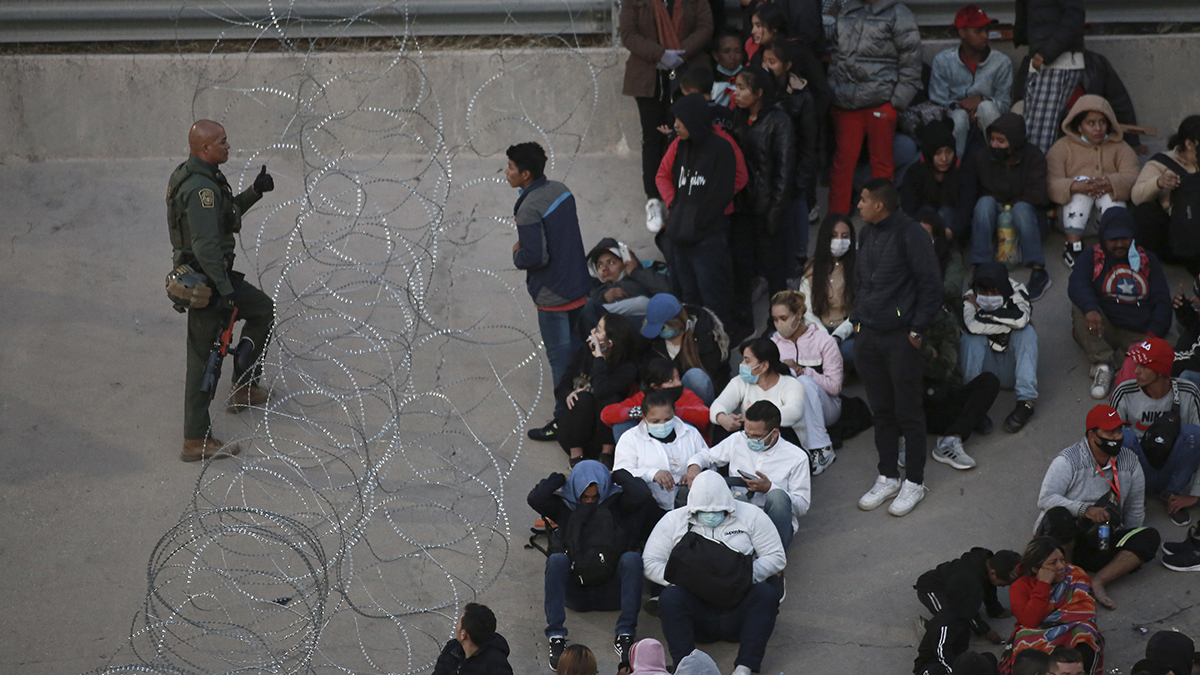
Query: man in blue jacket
{"points": [[1118, 296], [550, 250]]}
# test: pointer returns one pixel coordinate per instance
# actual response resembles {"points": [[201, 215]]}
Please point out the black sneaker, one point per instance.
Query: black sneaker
{"points": [[651, 606], [1181, 518], [1191, 542], [986, 426], [1039, 281], [557, 644], [1070, 252], [546, 433], [1184, 561], [621, 646], [1019, 417]]}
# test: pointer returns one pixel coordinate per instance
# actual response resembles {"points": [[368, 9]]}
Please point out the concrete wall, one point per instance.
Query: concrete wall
{"points": [[137, 106]]}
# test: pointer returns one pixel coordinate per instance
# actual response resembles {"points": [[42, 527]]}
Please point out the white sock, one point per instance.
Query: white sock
{"points": [[741, 670]]}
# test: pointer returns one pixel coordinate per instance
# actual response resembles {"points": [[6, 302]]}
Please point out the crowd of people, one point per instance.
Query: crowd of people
{"points": [[688, 480]]}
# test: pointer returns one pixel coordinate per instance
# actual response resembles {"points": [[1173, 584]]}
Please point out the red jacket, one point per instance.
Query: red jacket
{"points": [[1030, 601], [688, 408], [665, 179]]}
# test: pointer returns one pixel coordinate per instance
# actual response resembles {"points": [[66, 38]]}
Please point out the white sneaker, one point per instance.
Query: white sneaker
{"points": [[902, 458], [950, 451], [654, 215], [909, 495], [883, 489], [1101, 376], [742, 670], [821, 459]]}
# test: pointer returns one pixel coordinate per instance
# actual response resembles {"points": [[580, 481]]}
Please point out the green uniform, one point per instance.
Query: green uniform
{"points": [[203, 216]]}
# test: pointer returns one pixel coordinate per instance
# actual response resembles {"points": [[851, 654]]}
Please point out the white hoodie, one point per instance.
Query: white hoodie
{"points": [[783, 463], [642, 455], [746, 529]]}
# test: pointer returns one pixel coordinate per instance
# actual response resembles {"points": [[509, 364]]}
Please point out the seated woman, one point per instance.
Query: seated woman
{"points": [[828, 284], [1054, 607], [692, 338], [620, 284], [814, 359], [601, 374], [1090, 169], [1154, 194], [762, 377], [658, 449], [657, 375], [935, 182]]}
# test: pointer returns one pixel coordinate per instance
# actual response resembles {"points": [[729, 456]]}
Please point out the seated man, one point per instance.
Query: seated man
{"points": [[1167, 445], [612, 510], [1010, 173], [1000, 339], [658, 374], [953, 592], [700, 603], [477, 648], [620, 284], [1098, 482], [764, 469], [971, 79], [1116, 301]]}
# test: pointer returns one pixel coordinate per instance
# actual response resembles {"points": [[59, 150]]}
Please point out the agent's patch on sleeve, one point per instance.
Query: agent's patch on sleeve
{"points": [[207, 198]]}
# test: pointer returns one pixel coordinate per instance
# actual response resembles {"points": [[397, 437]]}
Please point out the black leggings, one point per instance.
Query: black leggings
{"points": [[581, 427], [653, 112], [959, 410]]}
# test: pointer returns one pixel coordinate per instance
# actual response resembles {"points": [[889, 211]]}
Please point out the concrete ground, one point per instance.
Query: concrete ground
{"points": [[90, 416]]}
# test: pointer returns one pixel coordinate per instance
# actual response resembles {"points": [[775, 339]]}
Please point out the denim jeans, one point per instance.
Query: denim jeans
{"points": [[949, 216], [778, 508], [1191, 376], [1175, 476], [1029, 223], [623, 591], [699, 383], [560, 335], [687, 619], [847, 350], [1016, 366], [985, 114], [796, 237], [703, 273]]}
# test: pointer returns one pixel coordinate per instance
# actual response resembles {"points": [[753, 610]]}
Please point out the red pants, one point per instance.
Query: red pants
{"points": [[879, 125]]}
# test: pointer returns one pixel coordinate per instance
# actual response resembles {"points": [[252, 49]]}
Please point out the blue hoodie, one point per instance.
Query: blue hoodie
{"points": [[585, 474]]}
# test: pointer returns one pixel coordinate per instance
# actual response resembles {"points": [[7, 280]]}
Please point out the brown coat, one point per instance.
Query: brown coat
{"points": [[1070, 156], [1146, 187], [639, 34]]}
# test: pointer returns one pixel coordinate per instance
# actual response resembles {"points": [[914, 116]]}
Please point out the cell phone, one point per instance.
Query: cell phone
{"points": [[747, 476]]}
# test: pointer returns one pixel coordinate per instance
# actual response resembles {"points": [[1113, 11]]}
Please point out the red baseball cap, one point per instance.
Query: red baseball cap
{"points": [[973, 16], [1154, 353], [1104, 417]]}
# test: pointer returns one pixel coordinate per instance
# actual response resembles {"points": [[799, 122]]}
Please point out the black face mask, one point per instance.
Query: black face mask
{"points": [[674, 392], [1109, 447], [1001, 154]]}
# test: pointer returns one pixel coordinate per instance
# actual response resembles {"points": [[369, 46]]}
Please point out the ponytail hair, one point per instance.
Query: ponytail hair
{"points": [[793, 300], [764, 349], [1189, 130]]}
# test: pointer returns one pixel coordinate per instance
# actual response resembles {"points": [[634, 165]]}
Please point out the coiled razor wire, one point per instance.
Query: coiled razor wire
{"points": [[369, 503]]}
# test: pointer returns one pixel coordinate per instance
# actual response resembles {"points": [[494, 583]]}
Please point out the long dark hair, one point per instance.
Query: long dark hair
{"points": [[786, 53], [764, 349], [1036, 553], [619, 331], [822, 261], [1189, 130], [689, 353], [775, 20], [759, 79]]}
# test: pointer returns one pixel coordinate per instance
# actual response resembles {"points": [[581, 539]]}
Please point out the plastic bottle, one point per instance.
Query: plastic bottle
{"points": [[1105, 533], [1007, 250]]}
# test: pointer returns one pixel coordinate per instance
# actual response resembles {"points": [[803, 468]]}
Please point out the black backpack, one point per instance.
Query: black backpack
{"points": [[710, 570], [595, 542], [1184, 230]]}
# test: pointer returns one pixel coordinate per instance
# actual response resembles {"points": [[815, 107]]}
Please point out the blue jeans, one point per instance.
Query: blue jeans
{"points": [[847, 350], [1191, 376], [687, 619], [699, 383], [560, 335], [1016, 366], [623, 591], [1175, 476], [1029, 223], [703, 273], [779, 509], [949, 216]]}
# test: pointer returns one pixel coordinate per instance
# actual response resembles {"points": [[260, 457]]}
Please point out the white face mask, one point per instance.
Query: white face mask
{"points": [[839, 247], [990, 303]]}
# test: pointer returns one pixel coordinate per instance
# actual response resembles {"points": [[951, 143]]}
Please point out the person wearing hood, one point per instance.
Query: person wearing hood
{"points": [[629, 502], [1172, 649], [1098, 481], [764, 469], [1000, 339], [934, 183], [658, 450], [712, 515], [477, 649], [695, 236], [1119, 294], [1053, 29], [620, 284], [1090, 169], [971, 79], [1010, 173], [697, 663], [647, 657]]}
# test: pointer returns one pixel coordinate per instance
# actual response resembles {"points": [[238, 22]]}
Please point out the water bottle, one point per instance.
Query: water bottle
{"points": [[1007, 250], [1104, 534]]}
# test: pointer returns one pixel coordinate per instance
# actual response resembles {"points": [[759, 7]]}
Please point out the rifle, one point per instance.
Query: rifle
{"points": [[241, 355]]}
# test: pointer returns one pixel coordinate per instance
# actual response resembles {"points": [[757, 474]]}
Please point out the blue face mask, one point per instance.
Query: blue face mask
{"points": [[661, 431], [710, 518], [756, 444], [747, 377], [667, 333]]}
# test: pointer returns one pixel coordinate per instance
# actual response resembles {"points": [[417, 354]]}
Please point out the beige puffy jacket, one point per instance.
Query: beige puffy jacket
{"points": [[1071, 156]]}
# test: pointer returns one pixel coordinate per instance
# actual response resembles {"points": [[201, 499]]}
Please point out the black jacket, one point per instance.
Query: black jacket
{"points": [[965, 585], [490, 659], [1023, 181], [705, 335], [802, 110], [631, 507], [1049, 27], [769, 147], [920, 189], [1187, 349], [897, 279], [1099, 78], [609, 385], [704, 172]]}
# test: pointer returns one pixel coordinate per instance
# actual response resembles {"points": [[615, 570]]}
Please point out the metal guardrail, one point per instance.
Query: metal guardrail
{"points": [[118, 20]]}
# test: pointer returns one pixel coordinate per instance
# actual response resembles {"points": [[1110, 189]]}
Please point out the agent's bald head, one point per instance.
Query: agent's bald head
{"points": [[207, 140]]}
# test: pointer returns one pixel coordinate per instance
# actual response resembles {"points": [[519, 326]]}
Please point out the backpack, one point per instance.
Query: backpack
{"points": [[594, 542], [710, 570], [1184, 230]]}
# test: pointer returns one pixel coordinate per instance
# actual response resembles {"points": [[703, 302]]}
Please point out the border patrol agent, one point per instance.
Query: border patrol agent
{"points": [[203, 216]]}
